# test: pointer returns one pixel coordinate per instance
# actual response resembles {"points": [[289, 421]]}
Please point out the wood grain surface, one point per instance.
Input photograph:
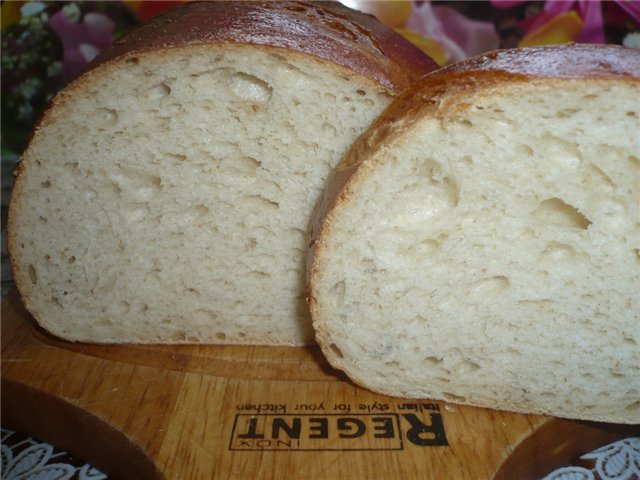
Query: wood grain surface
{"points": [[204, 412]]}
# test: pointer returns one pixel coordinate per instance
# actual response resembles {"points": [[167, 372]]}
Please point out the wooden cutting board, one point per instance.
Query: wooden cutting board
{"points": [[204, 412]]}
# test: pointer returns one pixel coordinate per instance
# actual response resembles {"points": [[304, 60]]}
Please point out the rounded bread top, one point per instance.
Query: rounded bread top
{"points": [[557, 61], [447, 90], [326, 30]]}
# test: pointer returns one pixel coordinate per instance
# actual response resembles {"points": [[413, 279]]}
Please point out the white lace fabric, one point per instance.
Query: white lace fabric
{"points": [[24, 458], [617, 461]]}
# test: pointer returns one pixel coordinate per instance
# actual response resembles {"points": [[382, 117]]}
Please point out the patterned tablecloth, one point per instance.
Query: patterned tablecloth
{"points": [[616, 461], [24, 458]]}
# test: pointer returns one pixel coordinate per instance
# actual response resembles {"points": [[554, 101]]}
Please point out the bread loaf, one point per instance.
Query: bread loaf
{"points": [[166, 193], [480, 243]]}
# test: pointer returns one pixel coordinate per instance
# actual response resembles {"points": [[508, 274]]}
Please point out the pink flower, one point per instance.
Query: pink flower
{"points": [[81, 41], [460, 36], [590, 11]]}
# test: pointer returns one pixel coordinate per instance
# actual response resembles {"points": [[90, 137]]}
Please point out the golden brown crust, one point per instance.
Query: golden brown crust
{"points": [[560, 61], [327, 30], [443, 91]]}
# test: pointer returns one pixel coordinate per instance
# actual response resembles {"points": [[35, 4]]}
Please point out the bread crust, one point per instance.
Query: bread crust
{"points": [[327, 30]]}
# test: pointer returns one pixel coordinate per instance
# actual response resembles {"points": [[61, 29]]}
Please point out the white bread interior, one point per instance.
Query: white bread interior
{"points": [[488, 252], [165, 197]]}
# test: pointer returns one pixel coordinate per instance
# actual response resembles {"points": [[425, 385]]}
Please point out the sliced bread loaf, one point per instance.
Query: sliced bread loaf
{"points": [[166, 193], [480, 244]]}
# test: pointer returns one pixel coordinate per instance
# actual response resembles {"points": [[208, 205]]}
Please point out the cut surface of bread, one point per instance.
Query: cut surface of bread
{"points": [[480, 243], [166, 194]]}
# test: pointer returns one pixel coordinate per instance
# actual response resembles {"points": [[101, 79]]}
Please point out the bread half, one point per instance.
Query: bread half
{"points": [[166, 193], [480, 244]]}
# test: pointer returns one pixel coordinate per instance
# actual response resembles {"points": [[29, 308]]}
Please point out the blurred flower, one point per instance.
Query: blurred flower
{"points": [[82, 37], [563, 28], [428, 45], [564, 21], [393, 13], [44, 44], [459, 36], [442, 32], [10, 13]]}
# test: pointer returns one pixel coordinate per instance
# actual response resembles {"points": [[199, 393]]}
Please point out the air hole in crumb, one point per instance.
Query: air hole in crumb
{"points": [[436, 176], [432, 361], [467, 366], [250, 88], [159, 91], [525, 150], [178, 336], [558, 251], [72, 259], [221, 336], [454, 398], [244, 165], [489, 285], [177, 157], [337, 292], [567, 112], [336, 350], [33, 276], [633, 407], [195, 212], [427, 246], [46, 184], [259, 201], [106, 117], [629, 341], [361, 92], [257, 275], [329, 129], [595, 177], [556, 212]]}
